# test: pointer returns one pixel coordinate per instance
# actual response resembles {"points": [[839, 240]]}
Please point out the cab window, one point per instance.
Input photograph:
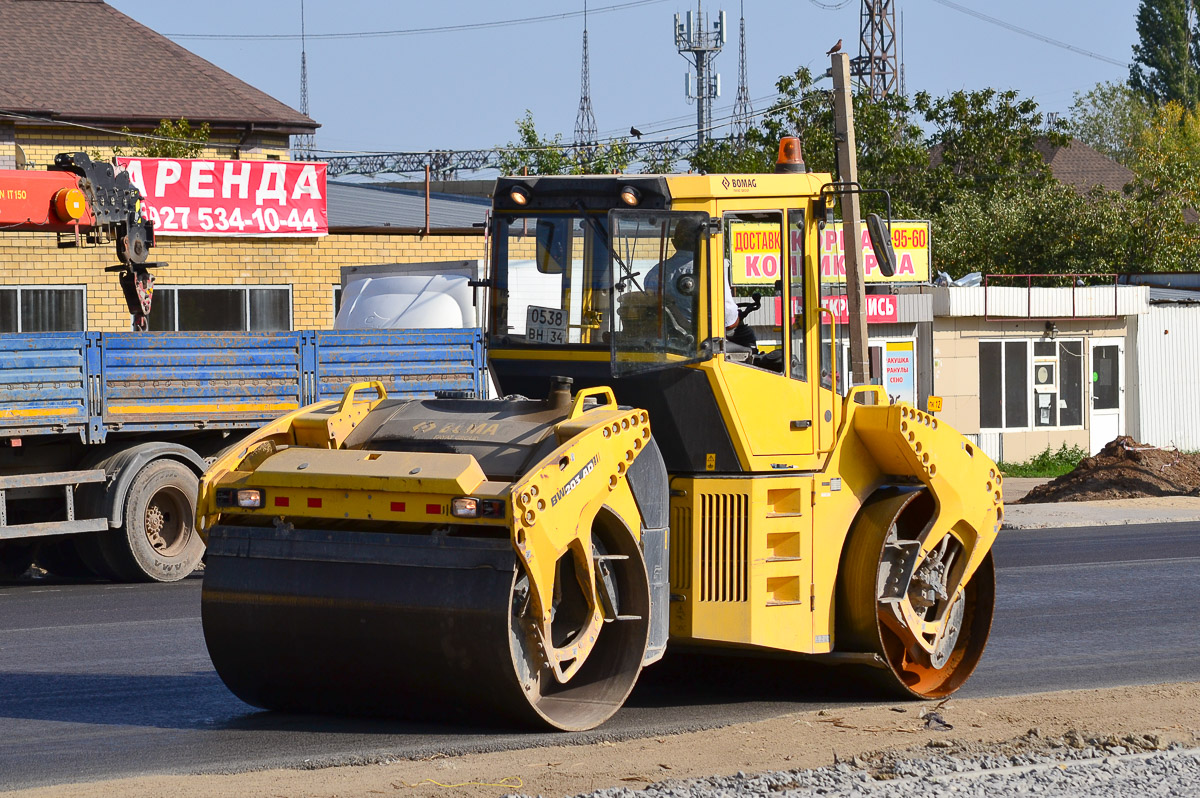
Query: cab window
{"points": [[553, 279], [658, 263], [796, 317], [755, 263]]}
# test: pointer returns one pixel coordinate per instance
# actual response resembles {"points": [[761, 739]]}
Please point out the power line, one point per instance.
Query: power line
{"points": [[1031, 34], [650, 127], [378, 34], [447, 162]]}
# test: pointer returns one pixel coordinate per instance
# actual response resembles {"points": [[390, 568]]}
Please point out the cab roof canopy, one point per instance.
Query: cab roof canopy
{"points": [[83, 61]]}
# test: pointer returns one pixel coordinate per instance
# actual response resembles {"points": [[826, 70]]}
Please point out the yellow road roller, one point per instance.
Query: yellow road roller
{"points": [[650, 479]]}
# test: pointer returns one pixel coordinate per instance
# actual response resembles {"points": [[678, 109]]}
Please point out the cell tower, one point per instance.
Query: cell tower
{"points": [[876, 62], [700, 44], [585, 120], [304, 144], [742, 111]]}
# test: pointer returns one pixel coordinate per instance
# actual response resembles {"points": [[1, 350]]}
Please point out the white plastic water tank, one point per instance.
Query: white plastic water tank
{"points": [[395, 302]]}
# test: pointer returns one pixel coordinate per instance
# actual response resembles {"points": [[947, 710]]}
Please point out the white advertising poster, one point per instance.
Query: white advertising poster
{"points": [[899, 371]]}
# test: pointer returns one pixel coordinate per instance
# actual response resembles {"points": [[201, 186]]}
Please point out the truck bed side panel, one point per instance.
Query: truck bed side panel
{"points": [[200, 379], [409, 363], [43, 383]]}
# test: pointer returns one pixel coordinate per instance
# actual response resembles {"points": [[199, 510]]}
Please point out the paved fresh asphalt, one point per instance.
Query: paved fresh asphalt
{"points": [[101, 680]]}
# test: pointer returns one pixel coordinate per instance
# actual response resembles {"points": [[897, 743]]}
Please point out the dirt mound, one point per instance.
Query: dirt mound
{"points": [[1124, 469]]}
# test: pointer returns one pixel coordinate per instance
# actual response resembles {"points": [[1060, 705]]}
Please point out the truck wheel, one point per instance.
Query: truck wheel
{"points": [[15, 558], [158, 541]]}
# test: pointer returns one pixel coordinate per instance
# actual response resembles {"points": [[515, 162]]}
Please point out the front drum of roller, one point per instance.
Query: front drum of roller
{"points": [[426, 627]]}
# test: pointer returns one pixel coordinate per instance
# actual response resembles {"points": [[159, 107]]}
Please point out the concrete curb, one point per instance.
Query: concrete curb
{"points": [[1121, 512]]}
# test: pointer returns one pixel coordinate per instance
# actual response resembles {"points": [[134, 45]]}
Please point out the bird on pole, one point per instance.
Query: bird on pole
{"points": [[633, 131], [835, 48]]}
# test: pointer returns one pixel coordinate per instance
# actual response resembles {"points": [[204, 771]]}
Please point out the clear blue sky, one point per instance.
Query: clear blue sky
{"points": [[464, 89]]}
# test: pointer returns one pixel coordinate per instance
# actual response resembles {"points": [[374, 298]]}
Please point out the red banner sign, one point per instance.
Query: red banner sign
{"points": [[240, 198], [881, 308]]}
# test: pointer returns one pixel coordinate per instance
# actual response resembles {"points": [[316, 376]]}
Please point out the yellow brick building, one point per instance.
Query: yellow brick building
{"points": [[308, 268]]}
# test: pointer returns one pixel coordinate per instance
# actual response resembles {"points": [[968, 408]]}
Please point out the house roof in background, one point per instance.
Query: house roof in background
{"points": [[358, 206], [50, 52], [1078, 165], [1075, 164]]}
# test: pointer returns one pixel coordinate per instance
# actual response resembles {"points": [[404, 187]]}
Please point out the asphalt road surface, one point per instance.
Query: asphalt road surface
{"points": [[100, 681]]}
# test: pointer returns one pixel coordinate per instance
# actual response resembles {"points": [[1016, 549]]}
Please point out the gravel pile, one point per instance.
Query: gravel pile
{"points": [[1138, 766]]}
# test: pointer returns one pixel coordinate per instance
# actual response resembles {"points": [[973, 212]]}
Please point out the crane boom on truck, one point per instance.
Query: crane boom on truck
{"points": [[79, 196], [520, 560]]}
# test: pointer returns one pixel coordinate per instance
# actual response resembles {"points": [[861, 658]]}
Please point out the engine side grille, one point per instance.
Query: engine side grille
{"points": [[681, 548], [724, 546]]}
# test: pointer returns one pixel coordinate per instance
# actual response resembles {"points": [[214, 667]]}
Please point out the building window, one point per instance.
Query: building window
{"points": [[337, 300], [43, 309], [223, 308], [1028, 384]]}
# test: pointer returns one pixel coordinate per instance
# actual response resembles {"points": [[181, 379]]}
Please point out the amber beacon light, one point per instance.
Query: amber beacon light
{"points": [[790, 160]]}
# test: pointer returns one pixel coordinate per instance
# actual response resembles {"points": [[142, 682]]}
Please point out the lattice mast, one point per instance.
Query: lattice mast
{"points": [[700, 44], [304, 144], [585, 121], [876, 65], [742, 110]]}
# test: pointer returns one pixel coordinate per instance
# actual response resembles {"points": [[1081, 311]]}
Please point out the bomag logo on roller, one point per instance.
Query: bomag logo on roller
{"points": [[738, 182], [575, 480], [443, 430]]}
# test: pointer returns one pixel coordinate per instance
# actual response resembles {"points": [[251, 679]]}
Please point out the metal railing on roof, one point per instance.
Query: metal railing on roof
{"points": [[1048, 305]]}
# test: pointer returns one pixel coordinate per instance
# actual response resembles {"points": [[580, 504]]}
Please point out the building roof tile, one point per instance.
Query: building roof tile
{"points": [[1084, 168], [82, 60]]}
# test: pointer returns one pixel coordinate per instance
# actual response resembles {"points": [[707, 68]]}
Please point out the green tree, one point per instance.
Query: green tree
{"points": [[169, 140], [533, 154], [536, 154], [982, 142], [1110, 118], [606, 158], [1167, 189], [1042, 228], [1165, 57], [891, 150]]}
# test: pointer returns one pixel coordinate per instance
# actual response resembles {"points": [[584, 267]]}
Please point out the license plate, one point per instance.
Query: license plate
{"points": [[546, 325]]}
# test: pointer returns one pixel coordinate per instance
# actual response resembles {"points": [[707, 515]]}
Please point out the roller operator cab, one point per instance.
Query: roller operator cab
{"points": [[520, 560]]}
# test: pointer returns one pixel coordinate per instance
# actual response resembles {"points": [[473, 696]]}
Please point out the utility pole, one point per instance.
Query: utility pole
{"points": [[697, 43], [847, 159]]}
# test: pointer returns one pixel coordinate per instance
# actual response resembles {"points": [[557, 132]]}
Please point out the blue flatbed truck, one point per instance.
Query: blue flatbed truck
{"points": [[103, 435]]}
